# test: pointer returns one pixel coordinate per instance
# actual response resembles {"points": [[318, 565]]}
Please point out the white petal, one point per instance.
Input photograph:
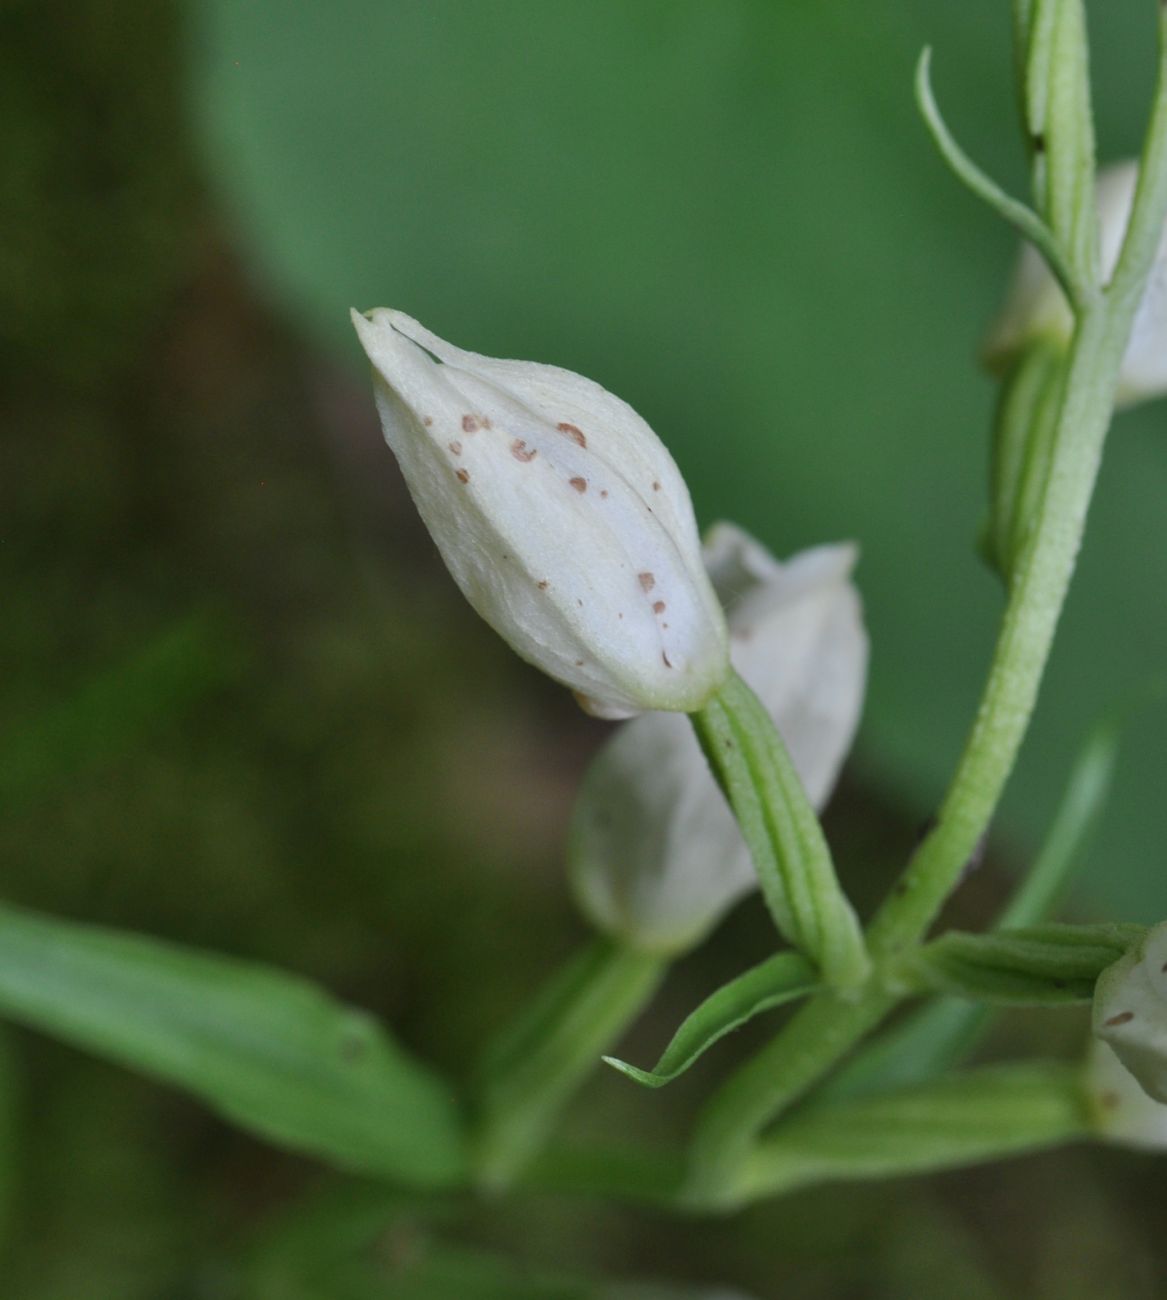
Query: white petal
{"points": [[578, 547]]}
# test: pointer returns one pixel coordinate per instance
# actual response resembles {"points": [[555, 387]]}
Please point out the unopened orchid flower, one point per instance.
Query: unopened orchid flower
{"points": [[655, 855], [560, 515]]}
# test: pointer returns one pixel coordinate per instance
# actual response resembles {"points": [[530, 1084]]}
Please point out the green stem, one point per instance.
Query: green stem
{"points": [[532, 1071], [823, 1031], [1038, 592], [816, 1036]]}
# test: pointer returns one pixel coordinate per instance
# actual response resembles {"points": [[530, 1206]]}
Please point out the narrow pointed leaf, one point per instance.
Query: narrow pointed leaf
{"points": [[776, 981], [267, 1050], [1016, 213]]}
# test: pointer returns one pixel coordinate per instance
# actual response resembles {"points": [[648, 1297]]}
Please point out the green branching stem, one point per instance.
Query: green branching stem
{"points": [[829, 1026]]}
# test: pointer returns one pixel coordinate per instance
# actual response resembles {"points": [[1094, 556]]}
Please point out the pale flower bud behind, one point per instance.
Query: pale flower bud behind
{"points": [[560, 515], [655, 854], [1130, 1011], [1036, 307]]}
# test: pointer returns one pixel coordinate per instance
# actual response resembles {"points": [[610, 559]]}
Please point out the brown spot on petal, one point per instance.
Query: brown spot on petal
{"points": [[580, 484], [520, 451], [486, 424], [656, 487], [658, 607], [1123, 1018], [665, 658], [428, 421], [456, 448], [543, 585], [579, 663], [469, 424], [647, 581], [604, 493], [576, 435], [462, 475]]}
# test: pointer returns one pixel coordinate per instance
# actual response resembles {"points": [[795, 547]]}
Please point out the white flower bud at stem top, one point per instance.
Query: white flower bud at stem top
{"points": [[1035, 305], [1130, 1011], [560, 515], [655, 855]]}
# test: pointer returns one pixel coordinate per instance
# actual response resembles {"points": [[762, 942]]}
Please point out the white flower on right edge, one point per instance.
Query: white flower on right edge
{"points": [[1120, 1110], [1130, 1011], [1035, 305], [655, 856]]}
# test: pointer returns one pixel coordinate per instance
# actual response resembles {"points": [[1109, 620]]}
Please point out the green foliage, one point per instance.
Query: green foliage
{"points": [[1003, 1109], [945, 1031], [267, 1050], [1042, 965], [776, 981]]}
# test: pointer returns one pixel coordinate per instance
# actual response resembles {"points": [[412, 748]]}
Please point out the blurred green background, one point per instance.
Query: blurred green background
{"points": [[243, 707]]}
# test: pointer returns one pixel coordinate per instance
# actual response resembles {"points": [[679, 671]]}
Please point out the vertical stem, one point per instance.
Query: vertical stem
{"points": [[530, 1074], [816, 1036], [826, 1028], [1035, 602]]}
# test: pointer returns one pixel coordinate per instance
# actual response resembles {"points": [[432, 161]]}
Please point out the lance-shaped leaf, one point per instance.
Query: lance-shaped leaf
{"points": [[267, 1050], [774, 982], [1043, 964], [959, 1120]]}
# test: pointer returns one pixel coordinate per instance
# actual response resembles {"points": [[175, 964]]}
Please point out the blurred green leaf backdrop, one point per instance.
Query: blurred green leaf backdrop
{"points": [[242, 706]]}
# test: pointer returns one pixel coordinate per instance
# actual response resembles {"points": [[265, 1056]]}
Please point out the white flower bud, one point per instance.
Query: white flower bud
{"points": [[1119, 1108], [1130, 1011], [655, 855], [1035, 305], [560, 515]]}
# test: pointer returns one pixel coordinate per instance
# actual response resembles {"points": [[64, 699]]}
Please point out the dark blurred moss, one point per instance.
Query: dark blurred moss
{"points": [[95, 168]]}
